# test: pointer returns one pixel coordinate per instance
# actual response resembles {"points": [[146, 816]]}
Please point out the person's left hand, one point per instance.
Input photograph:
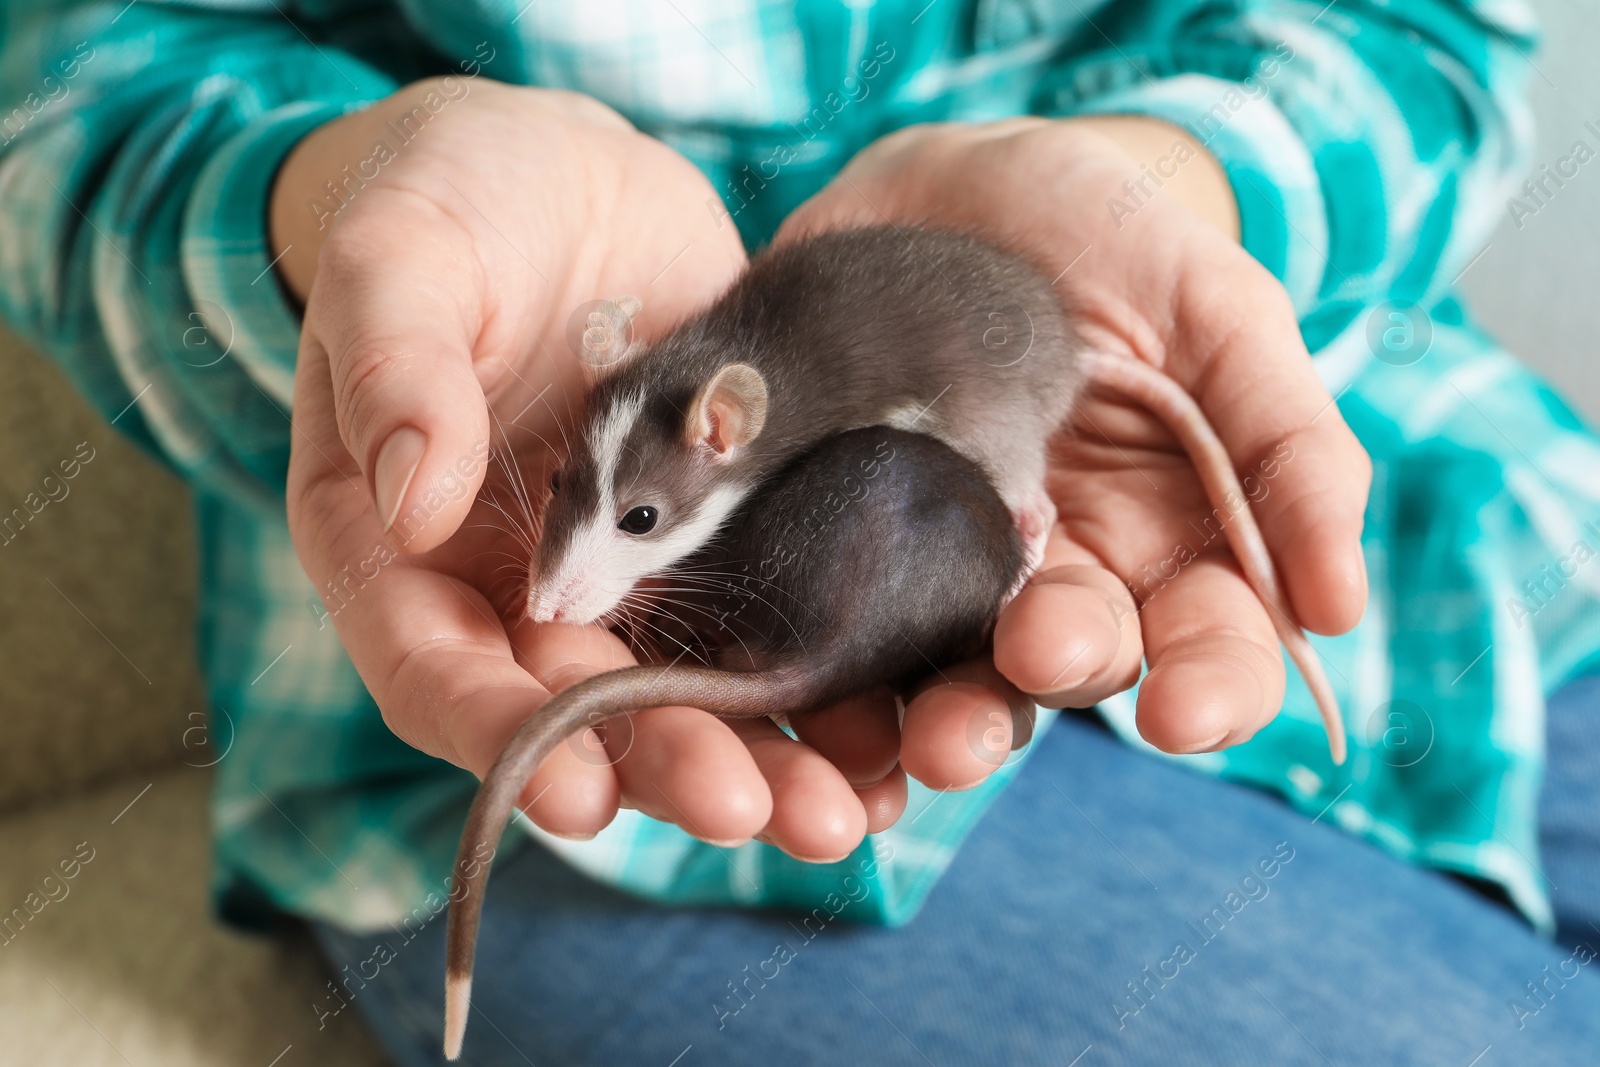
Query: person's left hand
{"points": [[1168, 284]]}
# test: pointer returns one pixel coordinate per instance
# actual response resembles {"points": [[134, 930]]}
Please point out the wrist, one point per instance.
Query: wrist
{"points": [[1186, 171], [298, 218], [293, 228]]}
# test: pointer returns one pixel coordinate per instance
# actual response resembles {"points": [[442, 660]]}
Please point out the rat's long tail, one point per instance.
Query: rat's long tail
{"points": [[726, 693], [1168, 401]]}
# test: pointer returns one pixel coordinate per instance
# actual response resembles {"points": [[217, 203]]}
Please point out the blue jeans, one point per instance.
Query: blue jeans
{"points": [[1087, 920]]}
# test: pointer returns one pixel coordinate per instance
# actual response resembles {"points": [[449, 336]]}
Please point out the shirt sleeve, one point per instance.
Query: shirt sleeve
{"points": [[1371, 144], [138, 143]]}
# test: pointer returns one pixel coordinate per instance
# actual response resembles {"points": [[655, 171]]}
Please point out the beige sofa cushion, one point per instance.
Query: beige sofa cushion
{"points": [[97, 675], [98, 687], [126, 965]]}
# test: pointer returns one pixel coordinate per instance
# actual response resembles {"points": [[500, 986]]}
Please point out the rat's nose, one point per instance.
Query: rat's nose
{"points": [[543, 606]]}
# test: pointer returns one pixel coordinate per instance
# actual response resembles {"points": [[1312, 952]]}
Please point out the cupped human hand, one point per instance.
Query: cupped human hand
{"points": [[1137, 226], [445, 271]]}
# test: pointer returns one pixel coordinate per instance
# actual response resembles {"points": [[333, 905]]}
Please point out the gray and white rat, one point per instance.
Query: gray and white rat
{"points": [[861, 328]]}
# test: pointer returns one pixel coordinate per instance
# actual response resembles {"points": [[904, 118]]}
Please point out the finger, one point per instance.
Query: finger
{"points": [[573, 794], [458, 693], [676, 764], [467, 696], [431, 650], [816, 816], [684, 766], [398, 333], [884, 801], [404, 623], [962, 724], [1071, 638], [1216, 670], [1236, 343], [1312, 517], [859, 735]]}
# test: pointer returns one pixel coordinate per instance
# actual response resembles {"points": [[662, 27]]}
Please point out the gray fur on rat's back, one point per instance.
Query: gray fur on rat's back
{"points": [[878, 556], [920, 329]]}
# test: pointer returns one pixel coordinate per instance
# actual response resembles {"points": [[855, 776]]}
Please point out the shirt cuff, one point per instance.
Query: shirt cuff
{"points": [[240, 308], [1283, 218]]}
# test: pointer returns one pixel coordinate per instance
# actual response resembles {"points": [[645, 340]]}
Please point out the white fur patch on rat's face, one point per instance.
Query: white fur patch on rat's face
{"points": [[608, 437], [603, 563]]}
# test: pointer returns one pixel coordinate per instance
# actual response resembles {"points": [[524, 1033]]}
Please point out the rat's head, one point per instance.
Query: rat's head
{"points": [[648, 481]]}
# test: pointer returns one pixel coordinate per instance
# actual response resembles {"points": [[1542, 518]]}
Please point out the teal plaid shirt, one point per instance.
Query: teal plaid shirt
{"points": [[1372, 145]]}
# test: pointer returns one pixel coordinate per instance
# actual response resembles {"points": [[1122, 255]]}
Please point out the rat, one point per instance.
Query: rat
{"points": [[938, 332], [877, 556], [912, 329]]}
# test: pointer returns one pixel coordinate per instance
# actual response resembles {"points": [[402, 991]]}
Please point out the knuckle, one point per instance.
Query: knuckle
{"points": [[417, 703], [1245, 282], [1247, 277], [346, 257], [1252, 649], [585, 108], [365, 375], [1360, 461], [422, 85], [1236, 297], [398, 217], [904, 140], [320, 516]]}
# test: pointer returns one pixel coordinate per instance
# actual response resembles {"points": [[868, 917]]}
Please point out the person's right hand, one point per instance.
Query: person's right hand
{"points": [[438, 302], [1170, 285]]}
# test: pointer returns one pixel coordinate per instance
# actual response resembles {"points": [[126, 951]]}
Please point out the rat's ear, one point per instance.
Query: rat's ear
{"points": [[730, 409]]}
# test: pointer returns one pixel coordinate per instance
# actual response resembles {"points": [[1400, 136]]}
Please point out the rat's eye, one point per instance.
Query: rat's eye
{"points": [[639, 520], [555, 481]]}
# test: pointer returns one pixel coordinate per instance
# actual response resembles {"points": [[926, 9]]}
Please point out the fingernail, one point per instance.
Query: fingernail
{"points": [[574, 837], [732, 843], [1204, 746], [822, 859], [397, 464], [1071, 685]]}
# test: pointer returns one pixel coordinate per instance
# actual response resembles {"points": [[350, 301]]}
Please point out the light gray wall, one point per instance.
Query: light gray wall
{"points": [[1538, 286]]}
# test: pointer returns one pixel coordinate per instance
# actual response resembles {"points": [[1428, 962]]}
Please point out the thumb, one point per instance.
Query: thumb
{"points": [[398, 336]]}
